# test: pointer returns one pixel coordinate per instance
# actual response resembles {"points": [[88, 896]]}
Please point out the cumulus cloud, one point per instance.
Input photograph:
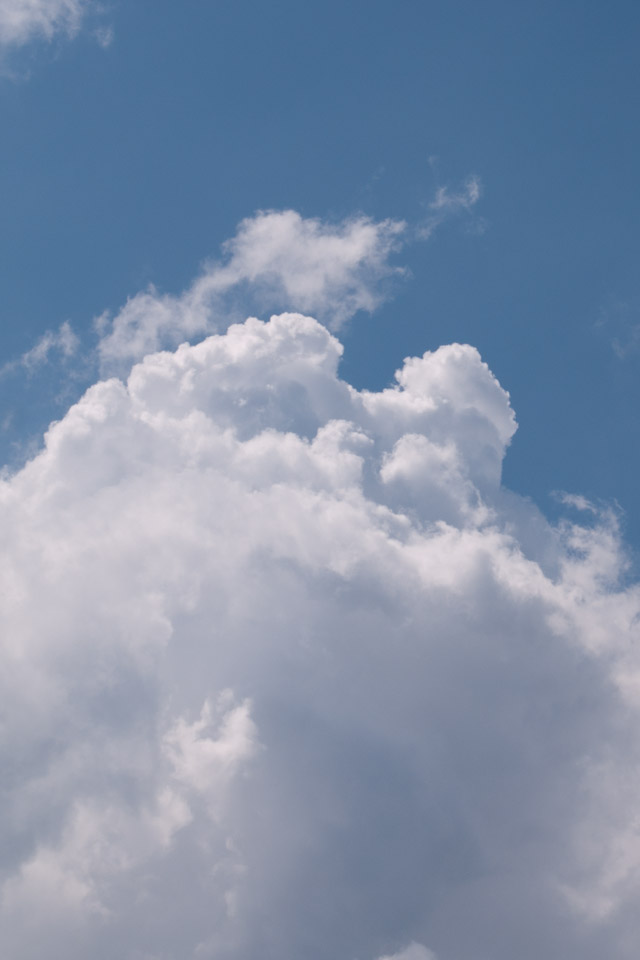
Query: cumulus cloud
{"points": [[277, 258], [285, 672], [24, 20]]}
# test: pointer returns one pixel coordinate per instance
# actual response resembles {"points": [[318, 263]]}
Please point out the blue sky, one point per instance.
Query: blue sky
{"points": [[131, 164], [298, 660]]}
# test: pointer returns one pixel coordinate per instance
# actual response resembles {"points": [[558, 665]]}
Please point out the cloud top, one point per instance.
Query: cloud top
{"points": [[277, 259]]}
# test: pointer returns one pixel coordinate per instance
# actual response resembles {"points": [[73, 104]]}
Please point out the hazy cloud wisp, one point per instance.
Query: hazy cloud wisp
{"points": [[24, 20], [277, 258], [447, 204]]}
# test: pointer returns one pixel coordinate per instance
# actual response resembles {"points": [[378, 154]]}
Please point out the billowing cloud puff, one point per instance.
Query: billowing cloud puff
{"points": [[276, 257], [24, 20], [287, 673]]}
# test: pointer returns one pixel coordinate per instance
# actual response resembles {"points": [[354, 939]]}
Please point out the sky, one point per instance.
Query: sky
{"points": [[319, 383]]}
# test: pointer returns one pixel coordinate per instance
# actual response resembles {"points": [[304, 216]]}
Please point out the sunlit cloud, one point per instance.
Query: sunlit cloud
{"points": [[286, 671]]}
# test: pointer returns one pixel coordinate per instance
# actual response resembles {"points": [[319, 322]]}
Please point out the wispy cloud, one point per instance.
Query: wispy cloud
{"points": [[105, 36], [276, 260], [62, 342], [448, 204], [279, 260], [24, 20], [415, 951], [620, 321]]}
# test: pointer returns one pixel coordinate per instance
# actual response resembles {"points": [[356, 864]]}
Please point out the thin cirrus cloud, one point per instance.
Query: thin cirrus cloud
{"points": [[22, 21], [285, 671]]}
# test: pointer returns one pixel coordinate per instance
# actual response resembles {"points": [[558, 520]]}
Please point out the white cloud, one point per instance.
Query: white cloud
{"points": [[277, 259], [24, 20], [205, 764], [285, 671]]}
